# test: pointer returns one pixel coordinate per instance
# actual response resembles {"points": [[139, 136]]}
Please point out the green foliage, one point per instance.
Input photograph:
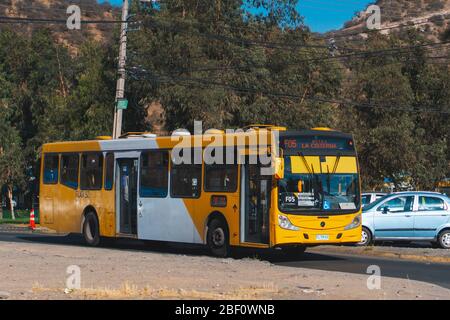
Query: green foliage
{"points": [[213, 61], [405, 146], [11, 155]]}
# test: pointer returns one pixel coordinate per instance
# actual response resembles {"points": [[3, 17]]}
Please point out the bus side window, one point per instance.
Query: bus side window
{"points": [[186, 179], [109, 171], [221, 178], [69, 170], [154, 174], [51, 164], [91, 175]]}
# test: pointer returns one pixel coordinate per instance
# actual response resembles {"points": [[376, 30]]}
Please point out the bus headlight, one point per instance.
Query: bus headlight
{"points": [[355, 224], [285, 223]]}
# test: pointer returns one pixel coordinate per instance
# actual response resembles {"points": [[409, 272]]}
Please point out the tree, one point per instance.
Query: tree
{"points": [[209, 61], [11, 158]]}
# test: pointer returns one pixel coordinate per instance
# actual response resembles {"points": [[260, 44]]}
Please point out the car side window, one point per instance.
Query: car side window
{"points": [[398, 204], [431, 204]]}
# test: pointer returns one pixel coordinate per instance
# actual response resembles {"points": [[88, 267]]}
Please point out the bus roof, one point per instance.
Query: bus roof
{"points": [[136, 141]]}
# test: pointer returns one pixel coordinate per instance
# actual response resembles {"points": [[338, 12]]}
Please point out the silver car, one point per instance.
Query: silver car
{"points": [[410, 216]]}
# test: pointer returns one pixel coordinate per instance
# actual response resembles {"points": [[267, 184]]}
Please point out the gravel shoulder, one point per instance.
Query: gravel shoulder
{"points": [[38, 271]]}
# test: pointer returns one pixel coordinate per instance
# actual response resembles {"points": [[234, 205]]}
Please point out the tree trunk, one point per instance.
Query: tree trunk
{"points": [[1, 207], [11, 206]]}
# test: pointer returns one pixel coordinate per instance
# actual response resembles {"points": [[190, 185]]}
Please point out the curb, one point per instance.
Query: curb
{"points": [[389, 255], [23, 229]]}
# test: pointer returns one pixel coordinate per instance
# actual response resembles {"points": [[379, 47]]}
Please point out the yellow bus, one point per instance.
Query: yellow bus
{"points": [[133, 187]]}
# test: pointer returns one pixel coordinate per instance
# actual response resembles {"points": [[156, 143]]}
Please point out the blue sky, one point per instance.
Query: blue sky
{"points": [[320, 15]]}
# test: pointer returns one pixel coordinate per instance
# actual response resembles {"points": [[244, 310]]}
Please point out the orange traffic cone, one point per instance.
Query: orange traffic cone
{"points": [[32, 221]]}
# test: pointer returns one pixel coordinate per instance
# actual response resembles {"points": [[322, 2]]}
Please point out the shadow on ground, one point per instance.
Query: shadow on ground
{"points": [[271, 255]]}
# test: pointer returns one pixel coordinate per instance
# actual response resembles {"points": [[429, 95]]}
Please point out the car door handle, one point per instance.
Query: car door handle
{"points": [[408, 216]]}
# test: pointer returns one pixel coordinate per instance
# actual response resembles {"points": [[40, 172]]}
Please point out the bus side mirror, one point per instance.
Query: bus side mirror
{"points": [[279, 168]]}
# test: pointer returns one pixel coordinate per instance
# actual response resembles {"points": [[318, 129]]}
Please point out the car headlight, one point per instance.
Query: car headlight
{"points": [[355, 224], [285, 223]]}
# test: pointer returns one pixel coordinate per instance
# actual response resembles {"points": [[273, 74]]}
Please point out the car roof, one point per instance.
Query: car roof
{"points": [[374, 192], [419, 192], [429, 193]]}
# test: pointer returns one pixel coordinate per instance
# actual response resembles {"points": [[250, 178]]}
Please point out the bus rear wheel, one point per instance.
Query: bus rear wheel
{"points": [[217, 238], [91, 230]]}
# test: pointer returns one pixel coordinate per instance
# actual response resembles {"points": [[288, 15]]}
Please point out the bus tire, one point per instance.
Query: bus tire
{"points": [[91, 230], [366, 238], [217, 238]]}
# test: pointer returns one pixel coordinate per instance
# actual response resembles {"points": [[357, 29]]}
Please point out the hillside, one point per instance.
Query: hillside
{"points": [[56, 9], [432, 17]]}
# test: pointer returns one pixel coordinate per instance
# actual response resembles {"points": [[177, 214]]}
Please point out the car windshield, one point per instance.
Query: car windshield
{"points": [[330, 193]]}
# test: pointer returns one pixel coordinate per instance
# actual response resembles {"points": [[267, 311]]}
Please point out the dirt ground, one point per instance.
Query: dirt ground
{"points": [[39, 271]]}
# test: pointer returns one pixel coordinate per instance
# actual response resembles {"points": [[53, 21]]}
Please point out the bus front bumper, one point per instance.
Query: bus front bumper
{"points": [[317, 237]]}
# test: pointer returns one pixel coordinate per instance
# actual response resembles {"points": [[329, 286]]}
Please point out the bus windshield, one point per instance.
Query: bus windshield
{"points": [[318, 192]]}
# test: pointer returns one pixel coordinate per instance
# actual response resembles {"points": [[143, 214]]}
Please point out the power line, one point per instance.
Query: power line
{"points": [[408, 24], [368, 31], [240, 40], [22, 7], [365, 54], [209, 83], [20, 20]]}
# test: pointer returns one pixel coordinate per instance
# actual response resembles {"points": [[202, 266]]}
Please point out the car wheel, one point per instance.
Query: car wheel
{"points": [[444, 239], [366, 237], [217, 238], [91, 230]]}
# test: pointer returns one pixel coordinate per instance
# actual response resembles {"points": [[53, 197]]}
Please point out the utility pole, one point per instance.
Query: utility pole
{"points": [[120, 91]]}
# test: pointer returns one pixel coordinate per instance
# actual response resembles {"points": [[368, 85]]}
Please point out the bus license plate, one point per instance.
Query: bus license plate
{"points": [[322, 237]]}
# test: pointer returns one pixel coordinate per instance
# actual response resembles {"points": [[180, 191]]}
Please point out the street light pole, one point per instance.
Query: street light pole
{"points": [[120, 91]]}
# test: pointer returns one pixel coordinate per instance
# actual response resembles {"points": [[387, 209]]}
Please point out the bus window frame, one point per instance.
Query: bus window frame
{"points": [[220, 165], [113, 181], [102, 171], [56, 182], [169, 175], [200, 184], [61, 155]]}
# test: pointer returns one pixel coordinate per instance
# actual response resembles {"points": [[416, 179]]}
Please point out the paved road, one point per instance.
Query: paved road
{"points": [[438, 274]]}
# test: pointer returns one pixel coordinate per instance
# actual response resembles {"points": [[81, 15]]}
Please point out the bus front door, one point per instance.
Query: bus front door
{"points": [[128, 175], [255, 203]]}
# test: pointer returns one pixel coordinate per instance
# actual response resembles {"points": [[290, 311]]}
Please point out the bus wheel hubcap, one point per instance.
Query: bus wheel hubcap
{"points": [[446, 239], [218, 237]]}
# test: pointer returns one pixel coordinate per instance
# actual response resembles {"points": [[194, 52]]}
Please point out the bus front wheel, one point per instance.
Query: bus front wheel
{"points": [[91, 230], [217, 238]]}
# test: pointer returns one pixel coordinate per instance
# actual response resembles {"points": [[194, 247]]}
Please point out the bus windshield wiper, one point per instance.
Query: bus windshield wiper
{"points": [[305, 163], [338, 158], [328, 180]]}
